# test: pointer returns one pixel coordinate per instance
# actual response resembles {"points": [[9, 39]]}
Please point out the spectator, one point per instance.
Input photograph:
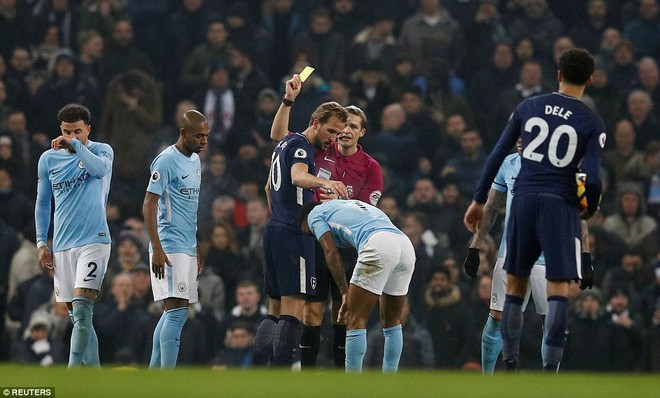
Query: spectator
{"points": [[450, 322], [90, 43], [588, 32], [624, 162], [122, 54], [539, 24], [196, 69], [248, 310], [61, 13], [644, 31], [224, 259], [14, 26], [132, 113], [466, 165], [605, 95], [238, 348], [347, 19], [623, 71], [101, 16], [129, 257], [649, 81], [247, 81], [639, 111], [324, 46], [38, 347], [282, 23], [483, 31], [375, 42], [632, 223], [372, 93], [631, 324], [432, 36]]}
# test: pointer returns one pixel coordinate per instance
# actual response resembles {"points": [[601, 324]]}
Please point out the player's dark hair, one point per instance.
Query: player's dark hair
{"points": [[305, 210], [576, 65], [327, 110], [359, 113], [74, 112]]}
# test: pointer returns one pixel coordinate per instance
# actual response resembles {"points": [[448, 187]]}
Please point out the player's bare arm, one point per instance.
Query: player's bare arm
{"points": [[336, 267], [473, 216], [300, 177], [159, 258], [200, 260], [494, 204], [280, 126], [61, 142]]}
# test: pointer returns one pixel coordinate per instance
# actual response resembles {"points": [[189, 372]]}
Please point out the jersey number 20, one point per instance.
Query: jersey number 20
{"points": [[544, 131]]}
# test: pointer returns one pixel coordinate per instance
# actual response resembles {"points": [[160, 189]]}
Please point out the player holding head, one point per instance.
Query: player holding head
{"points": [[170, 215], [385, 263], [76, 172], [501, 194], [343, 161], [558, 131], [289, 256]]}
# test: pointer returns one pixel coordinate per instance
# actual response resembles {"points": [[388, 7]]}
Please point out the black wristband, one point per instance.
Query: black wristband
{"points": [[287, 102]]}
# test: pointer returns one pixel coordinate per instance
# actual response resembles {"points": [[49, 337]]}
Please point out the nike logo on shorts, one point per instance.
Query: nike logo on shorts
{"points": [[87, 279]]}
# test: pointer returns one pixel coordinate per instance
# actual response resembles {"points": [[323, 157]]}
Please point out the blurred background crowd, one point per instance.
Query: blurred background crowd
{"points": [[437, 80]]}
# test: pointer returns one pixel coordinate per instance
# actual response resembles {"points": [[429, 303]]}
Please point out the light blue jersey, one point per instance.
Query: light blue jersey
{"points": [[80, 183], [504, 180], [351, 222], [176, 178]]}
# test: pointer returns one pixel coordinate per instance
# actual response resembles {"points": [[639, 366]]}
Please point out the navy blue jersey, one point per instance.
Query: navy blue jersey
{"points": [[558, 131], [286, 198]]}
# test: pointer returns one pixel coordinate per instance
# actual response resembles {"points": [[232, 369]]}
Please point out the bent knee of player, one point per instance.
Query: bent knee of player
{"points": [[313, 313]]}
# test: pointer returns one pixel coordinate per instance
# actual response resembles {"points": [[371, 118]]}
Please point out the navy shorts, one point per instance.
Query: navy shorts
{"points": [[289, 263], [548, 223], [326, 284]]}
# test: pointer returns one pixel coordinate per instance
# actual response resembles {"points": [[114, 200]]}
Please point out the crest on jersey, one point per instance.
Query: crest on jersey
{"points": [[155, 177], [81, 165], [182, 286], [300, 153], [493, 298], [601, 139], [349, 188]]}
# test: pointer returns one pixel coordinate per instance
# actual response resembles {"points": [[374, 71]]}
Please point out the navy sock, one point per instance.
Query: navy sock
{"points": [[287, 336], [263, 341], [339, 345], [512, 322], [555, 331], [310, 343]]}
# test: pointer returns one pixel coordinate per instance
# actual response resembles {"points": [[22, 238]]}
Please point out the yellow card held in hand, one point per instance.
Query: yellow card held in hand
{"points": [[305, 73]]}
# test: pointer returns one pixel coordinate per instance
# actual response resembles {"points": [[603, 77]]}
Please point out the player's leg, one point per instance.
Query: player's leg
{"points": [[397, 262], [91, 264], [491, 336], [287, 332], [390, 317], [523, 248], [563, 254], [539, 290], [349, 258], [181, 290], [263, 339], [294, 257], [360, 303], [310, 336]]}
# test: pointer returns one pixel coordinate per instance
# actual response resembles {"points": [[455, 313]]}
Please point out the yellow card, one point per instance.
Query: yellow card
{"points": [[305, 73]]}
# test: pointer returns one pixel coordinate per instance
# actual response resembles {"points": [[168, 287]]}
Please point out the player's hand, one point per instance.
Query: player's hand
{"points": [[473, 216], [292, 87], [588, 274], [158, 261], [335, 187], [343, 310], [46, 258], [61, 142], [324, 197], [471, 263]]}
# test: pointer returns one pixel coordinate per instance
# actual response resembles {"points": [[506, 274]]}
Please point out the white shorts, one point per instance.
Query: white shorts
{"points": [[537, 287], [385, 264], [80, 267], [180, 279]]}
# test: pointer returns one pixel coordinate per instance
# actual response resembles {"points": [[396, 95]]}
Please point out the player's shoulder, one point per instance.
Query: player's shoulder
{"points": [[98, 147], [512, 158]]}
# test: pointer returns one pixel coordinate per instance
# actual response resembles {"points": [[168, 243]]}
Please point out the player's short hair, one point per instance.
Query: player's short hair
{"points": [[576, 65], [327, 110], [359, 113], [74, 112], [305, 210]]}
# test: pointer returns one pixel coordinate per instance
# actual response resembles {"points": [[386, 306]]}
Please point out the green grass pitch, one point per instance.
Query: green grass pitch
{"points": [[203, 382]]}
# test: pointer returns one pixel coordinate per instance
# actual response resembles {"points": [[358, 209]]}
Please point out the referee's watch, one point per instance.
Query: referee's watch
{"points": [[41, 244], [287, 102]]}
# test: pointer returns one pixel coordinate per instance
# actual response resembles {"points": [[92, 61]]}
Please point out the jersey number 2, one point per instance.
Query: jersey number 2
{"points": [[543, 131]]}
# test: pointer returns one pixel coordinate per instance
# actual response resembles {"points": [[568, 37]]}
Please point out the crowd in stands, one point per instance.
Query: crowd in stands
{"points": [[437, 80]]}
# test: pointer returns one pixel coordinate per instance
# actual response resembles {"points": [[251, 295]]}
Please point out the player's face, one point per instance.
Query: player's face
{"points": [[78, 130], [327, 132], [349, 136], [196, 140]]}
